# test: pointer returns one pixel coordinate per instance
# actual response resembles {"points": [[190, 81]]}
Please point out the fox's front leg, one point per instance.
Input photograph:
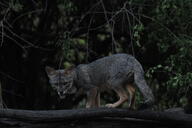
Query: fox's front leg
{"points": [[92, 96], [98, 99]]}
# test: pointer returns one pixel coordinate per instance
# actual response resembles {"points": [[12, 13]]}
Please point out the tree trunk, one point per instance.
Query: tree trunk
{"points": [[1, 99]]}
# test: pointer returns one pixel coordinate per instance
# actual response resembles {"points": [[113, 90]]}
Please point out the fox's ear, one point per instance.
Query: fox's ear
{"points": [[49, 70], [68, 70]]}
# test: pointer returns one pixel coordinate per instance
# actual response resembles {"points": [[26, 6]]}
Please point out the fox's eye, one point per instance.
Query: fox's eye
{"points": [[54, 87], [65, 82], [57, 84]]}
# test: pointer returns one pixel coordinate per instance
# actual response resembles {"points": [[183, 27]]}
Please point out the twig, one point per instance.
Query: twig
{"points": [[2, 33], [24, 14], [17, 43], [10, 77], [87, 46]]}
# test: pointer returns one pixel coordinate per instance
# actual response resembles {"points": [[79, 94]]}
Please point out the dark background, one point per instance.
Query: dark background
{"points": [[61, 33]]}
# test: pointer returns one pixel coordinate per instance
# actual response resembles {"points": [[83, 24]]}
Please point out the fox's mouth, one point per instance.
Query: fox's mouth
{"points": [[61, 95]]}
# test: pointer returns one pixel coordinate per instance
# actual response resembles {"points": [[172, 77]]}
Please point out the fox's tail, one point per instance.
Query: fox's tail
{"points": [[141, 83]]}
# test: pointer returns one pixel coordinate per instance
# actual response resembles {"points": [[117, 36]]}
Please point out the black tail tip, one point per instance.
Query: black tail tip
{"points": [[147, 105]]}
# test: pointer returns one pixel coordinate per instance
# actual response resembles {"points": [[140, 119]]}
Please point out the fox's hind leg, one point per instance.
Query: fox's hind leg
{"points": [[131, 91], [122, 97]]}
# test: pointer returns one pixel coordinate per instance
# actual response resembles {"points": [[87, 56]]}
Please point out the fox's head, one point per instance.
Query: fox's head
{"points": [[61, 81]]}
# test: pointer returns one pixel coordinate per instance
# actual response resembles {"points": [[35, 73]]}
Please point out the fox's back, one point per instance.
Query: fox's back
{"points": [[111, 70]]}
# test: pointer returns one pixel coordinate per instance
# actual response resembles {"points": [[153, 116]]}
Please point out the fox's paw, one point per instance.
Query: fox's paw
{"points": [[110, 106]]}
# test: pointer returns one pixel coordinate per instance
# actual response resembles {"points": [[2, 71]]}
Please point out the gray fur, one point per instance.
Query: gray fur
{"points": [[106, 73]]}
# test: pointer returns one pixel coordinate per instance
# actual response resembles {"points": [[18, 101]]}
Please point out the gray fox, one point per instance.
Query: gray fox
{"points": [[119, 72]]}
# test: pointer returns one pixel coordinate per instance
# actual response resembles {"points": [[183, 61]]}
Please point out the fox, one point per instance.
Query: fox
{"points": [[120, 72]]}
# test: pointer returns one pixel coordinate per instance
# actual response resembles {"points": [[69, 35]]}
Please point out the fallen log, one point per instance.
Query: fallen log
{"points": [[27, 117]]}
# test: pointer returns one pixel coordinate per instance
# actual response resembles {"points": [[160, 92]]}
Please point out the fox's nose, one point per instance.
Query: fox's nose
{"points": [[61, 93]]}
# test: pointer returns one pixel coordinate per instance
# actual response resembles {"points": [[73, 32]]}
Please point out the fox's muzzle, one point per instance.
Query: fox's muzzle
{"points": [[61, 95]]}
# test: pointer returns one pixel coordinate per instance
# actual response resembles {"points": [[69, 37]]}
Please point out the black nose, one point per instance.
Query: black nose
{"points": [[61, 95]]}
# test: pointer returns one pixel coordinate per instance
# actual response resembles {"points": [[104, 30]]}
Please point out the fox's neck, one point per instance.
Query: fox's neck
{"points": [[75, 77]]}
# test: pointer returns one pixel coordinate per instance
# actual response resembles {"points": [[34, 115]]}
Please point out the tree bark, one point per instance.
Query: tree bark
{"points": [[97, 117], [58, 115]]}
